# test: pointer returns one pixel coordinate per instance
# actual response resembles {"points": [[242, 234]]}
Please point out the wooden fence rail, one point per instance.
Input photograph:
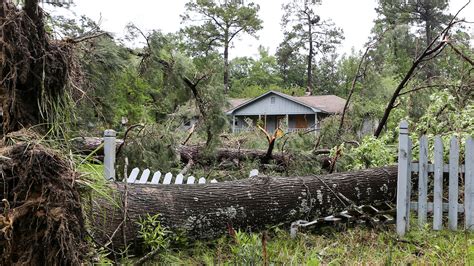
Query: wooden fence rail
{"points": [[423, 168]]}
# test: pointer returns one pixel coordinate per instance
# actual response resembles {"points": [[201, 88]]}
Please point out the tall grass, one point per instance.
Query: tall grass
{"points": [[359, 246]]}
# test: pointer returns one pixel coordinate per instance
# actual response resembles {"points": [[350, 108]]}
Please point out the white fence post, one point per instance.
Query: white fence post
{"points": [[404, 175], [109, 154], [438, 184], [469, 185], [423, 182], [453, 183]]}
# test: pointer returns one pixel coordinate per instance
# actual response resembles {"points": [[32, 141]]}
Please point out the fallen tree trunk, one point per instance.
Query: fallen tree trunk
{"points": [[196, 153], [87, 145], [205, 211]]}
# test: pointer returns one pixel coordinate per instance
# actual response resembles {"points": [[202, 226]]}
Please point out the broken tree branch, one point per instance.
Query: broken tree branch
{"points": [[443, 37], [88, 37], [354, 82], [465, 57], [425, 87]]}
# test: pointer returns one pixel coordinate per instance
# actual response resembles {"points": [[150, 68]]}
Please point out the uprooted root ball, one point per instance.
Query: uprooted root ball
{"points": [[41, 220]]}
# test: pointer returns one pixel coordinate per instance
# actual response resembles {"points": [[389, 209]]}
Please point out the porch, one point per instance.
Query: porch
{"points": [[288, 123]]}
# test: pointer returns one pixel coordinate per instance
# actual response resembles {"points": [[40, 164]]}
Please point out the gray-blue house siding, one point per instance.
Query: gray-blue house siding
{"points": [[273, 108]]}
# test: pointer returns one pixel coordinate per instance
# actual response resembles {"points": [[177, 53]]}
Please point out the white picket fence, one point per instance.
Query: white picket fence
{"points": [[404, 187], [156, 178], [168, 178]]}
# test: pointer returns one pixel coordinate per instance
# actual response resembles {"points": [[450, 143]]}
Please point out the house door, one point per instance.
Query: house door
{"points": [[301, 121]]}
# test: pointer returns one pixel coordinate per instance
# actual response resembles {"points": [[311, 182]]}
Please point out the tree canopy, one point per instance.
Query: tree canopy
{"points": [[215, 24]]}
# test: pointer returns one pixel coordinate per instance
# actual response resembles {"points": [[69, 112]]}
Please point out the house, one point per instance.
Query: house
{"points": [[275, 108]]}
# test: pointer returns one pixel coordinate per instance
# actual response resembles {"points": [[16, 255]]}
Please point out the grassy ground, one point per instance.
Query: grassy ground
{"points": [[352, 246]]}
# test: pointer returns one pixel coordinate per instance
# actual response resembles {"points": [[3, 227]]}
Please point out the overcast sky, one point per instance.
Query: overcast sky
{"points": [[355, 17]]}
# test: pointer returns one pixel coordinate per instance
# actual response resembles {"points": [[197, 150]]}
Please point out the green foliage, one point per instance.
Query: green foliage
{"points": [[328, 132], [132, 98], [262, 72], [153, 234], [151, 146], [248, 248], [371, 152], [447, 115], [104, 64], [291, 64], [255, 90], [215, 25]]}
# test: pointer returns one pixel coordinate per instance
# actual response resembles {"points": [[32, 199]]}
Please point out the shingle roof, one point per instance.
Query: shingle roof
{"points": [[328, 103], [236, 102]]}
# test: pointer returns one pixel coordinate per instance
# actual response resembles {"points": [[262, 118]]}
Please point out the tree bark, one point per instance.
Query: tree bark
{"points": [[196, 154], [310, 58], [226, 62], [205, 211]]}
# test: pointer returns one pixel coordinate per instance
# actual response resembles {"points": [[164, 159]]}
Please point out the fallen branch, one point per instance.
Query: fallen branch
{"points": [[88, 37], [147, 257], [188, 167], [197, 155]]}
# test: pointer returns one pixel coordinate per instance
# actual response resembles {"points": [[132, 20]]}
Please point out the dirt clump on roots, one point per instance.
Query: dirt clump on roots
{"points": [[37, 71], [41, 219]]}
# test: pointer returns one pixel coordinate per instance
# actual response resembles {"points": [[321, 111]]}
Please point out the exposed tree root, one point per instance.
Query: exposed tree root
{"points": [[35, 70], [41, 220]]}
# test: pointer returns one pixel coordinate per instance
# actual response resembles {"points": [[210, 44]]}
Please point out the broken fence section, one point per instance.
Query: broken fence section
{"points": [[146, 178], [423, 168], [165, 179]]}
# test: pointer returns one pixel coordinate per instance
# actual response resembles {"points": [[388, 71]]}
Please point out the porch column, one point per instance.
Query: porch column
{"points": [[233, 124], [316, 126], [287, 123]]}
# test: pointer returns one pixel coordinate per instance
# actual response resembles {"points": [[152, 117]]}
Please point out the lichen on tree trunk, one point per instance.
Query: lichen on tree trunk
{"points": [[206, 211]]}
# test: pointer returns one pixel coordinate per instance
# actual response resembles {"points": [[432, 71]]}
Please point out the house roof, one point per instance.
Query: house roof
{"points": [[236, 102], [331, 104]]}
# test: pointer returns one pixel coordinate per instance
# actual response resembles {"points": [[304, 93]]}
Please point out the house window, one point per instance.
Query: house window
{"points": [[272, 100]]}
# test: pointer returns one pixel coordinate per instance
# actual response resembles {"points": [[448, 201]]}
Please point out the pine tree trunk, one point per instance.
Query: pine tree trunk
{"points": [[310, 59], [205, 211], [226, 64]]}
